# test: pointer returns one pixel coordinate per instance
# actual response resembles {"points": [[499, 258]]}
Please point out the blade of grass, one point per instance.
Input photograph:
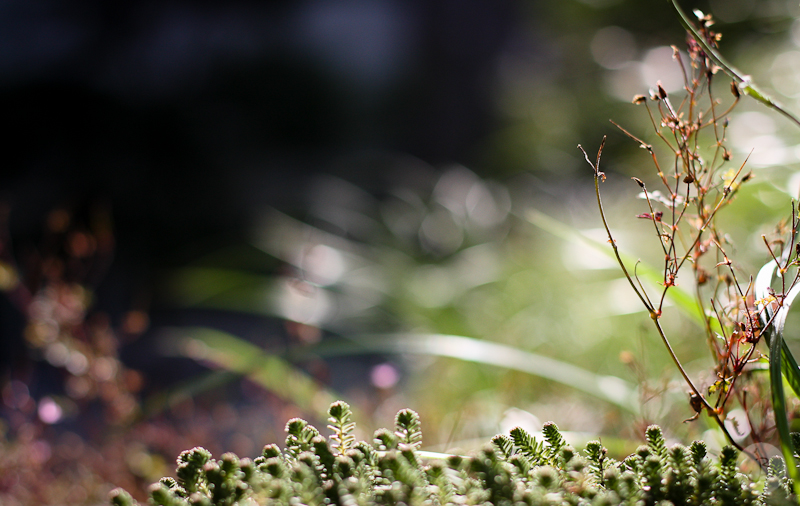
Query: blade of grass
{"points": [[761, 288], [682, 299], [236, 355], [745, 82], [222, 350], [609, 388], [276, 374], [219, 288], [270, 296], [782, 364], [235, 290], [779, 407]]}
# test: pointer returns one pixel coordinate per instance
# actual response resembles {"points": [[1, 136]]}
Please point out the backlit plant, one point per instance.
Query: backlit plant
{"points": [[514, 469], [698, 178]]}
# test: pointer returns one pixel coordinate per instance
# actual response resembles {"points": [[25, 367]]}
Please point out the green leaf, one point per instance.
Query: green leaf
{"points": [[781, 363], [609, 388], [763, 281], [779, 409], [682, 299], [239, 356], [227, 289], [745, 83]]}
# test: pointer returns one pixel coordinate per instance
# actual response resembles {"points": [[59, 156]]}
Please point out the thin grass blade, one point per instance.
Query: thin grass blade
{"points": [[682, 299], [745, 83], [763, 281], [779, 408], [222, 350], [781, 362], [609, 388]]}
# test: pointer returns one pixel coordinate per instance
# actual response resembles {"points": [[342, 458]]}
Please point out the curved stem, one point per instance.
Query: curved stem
{"points": [[654, 314], [597, 176], [745, 83]]}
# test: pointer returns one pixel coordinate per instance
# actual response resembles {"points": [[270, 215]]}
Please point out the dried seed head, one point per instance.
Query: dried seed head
{"points": [[726, 155], [688, 179], [695, 402], [638, 181], [747, 177], [702, 276], [735, 89], [661, 91], [639, 99]]}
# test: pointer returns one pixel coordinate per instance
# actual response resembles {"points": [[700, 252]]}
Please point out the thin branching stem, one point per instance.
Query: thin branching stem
{"points": [[640, 292], [597, 176]]}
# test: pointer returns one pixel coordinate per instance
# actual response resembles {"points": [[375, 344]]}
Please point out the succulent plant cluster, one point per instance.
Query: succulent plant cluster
{"points": [[512, 469]]}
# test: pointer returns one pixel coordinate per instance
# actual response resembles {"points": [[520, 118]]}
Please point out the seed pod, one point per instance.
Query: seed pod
{"points": [[735, 89], [695, 402], [661, 91]]}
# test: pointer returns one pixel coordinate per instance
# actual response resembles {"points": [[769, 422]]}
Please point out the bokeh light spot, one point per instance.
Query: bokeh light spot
{"points": [[384, 376], [660, 66], [613, 47], [49, 411]]}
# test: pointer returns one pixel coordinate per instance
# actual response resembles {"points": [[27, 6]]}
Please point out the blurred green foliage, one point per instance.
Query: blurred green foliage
{"points": [[504, 251], [512, 470], [457, 254]]}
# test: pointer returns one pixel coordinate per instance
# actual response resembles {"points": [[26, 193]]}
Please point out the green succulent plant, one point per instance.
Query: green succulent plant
{"points": [[515, 469]]}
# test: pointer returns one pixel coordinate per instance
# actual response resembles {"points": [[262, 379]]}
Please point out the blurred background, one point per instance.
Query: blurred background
{"points": [[218, 216]]}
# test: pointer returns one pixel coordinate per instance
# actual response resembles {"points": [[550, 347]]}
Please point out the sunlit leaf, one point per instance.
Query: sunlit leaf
{"points": [[781, 365], [222, 350], [609, 388], [779, 407], [221, 289], [744, 82], [682, 299], [762, 285]]}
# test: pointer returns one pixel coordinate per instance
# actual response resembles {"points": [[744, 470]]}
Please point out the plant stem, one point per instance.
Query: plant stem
{"points": [[654, 314], [744, 82]]}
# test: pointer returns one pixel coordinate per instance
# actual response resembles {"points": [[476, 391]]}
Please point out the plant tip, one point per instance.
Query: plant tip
{"points": [[735, 89], [662, 93]]}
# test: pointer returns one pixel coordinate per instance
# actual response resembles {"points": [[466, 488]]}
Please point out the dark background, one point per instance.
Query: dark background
{"points": [[165, 130], [183, 117], [182, 121]]}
